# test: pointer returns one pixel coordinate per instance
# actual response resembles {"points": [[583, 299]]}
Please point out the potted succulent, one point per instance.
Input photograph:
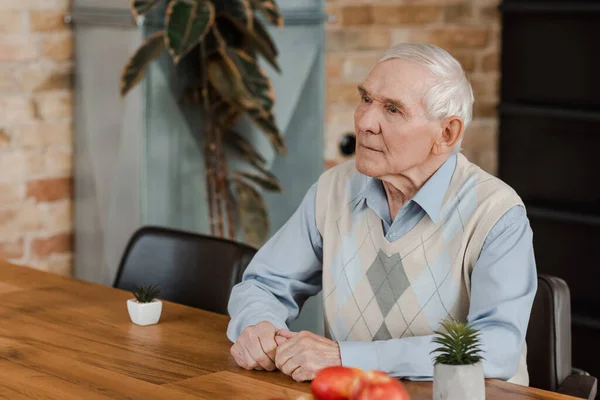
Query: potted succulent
{"points": [[145, 308], [458, 368]]}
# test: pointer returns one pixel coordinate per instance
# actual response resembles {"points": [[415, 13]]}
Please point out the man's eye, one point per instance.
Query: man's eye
{"points": [[393, 110], [366, 98]]}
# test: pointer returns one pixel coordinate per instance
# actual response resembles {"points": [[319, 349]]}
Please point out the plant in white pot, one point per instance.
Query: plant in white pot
{"points": [[145, 308], [458, 368]]}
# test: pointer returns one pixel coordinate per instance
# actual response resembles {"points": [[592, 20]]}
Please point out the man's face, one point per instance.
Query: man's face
{"points": [[393, 130]]}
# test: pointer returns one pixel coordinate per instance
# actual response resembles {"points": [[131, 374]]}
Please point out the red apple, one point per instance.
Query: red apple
{"points": [[376, 385], [335, 383]]}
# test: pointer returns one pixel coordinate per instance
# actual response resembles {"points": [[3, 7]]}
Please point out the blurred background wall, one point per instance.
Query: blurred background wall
{"points": [[35, 134]]}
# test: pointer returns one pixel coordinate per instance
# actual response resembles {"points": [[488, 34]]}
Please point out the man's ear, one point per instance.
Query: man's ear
{"points": [[452, 131]]}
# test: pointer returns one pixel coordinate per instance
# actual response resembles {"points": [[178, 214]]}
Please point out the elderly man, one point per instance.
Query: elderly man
{"points": [[407, 234]]}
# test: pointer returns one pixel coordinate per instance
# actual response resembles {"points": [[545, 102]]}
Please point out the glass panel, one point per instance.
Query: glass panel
{"points": [[174, 185], [108, 132]]}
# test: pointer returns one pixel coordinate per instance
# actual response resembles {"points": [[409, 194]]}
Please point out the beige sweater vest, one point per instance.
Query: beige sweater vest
{"points": [[377, 290]]}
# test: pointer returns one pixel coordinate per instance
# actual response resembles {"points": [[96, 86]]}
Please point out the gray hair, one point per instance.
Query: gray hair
{"points": [[452, 93]]}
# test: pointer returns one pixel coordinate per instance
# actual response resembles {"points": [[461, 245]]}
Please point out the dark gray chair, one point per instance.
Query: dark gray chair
{"points": [[191, 269], [549, 343]]}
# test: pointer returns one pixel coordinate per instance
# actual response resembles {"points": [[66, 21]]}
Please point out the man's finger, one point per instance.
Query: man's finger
{"points": [[290, 342], [301, 375], [239, 359], [258, 355], [250, 361], [262, 360], [280, 340], [286, 334], [290, 366], [283, 354], [269, 345]]}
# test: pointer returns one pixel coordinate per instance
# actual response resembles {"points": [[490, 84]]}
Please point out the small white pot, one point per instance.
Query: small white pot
{"points": [[458, 382], [144, 313]]}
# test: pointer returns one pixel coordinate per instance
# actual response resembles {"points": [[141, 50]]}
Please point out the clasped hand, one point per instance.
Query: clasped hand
{"points": [[297, 354]]}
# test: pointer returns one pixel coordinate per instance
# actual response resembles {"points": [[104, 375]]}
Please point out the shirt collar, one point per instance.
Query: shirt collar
{"points": [[430, 197]]}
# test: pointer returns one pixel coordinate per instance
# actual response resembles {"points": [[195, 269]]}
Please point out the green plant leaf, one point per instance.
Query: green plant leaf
{"points": [[252, 213], [255, 78], [229, 116], [262, 33], [269, 10], [135, 68], [267, 180], [225, 76], [227, 80], [459, 344], [444, 338], [236, 10], [187, 22], [268, 125], [140, 7], [440, 350], [146, 293], [260, 40], [243, 147]]}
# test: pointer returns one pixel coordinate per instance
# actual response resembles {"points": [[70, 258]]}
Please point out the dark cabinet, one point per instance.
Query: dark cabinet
{"points": [[549, 146]]}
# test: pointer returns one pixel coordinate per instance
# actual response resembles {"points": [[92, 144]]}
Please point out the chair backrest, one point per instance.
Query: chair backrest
{"points": [[549, 334], [191, 269]]}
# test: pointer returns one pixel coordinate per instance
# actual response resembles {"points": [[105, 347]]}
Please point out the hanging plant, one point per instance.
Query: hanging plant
{"points": [[220, 41]]}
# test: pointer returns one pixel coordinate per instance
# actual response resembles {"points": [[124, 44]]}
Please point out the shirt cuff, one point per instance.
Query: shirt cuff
{"points": [[361, 355]]}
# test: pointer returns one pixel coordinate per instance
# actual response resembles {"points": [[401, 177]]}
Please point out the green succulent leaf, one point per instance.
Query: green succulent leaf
{"points": [[140, 7], [187, 22], [252, 213], [136, 67], [269, 10], [459, 344], [146, 293]]}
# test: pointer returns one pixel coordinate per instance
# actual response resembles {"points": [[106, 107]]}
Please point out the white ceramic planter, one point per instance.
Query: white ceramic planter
{"points": [[458, 382], [144, 313]]}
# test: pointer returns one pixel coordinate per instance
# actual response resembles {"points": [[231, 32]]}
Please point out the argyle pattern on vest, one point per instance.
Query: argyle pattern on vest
{"points": [[374, 289]]}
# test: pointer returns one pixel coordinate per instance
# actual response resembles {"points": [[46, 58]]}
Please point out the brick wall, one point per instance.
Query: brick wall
{"points": [[363, 30], [36, 134]]}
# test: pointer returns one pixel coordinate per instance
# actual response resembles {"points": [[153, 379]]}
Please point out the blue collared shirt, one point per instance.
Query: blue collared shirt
{"points": [[287, 270]]}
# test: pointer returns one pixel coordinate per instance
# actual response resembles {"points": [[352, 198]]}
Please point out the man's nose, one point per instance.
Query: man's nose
{"points": [[368, 121]]}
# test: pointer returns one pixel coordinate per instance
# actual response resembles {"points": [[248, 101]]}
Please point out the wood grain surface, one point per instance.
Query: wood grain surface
{"points": [[61, 338]]}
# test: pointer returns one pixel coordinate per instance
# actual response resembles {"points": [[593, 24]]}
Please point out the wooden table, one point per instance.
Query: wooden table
{"points": [[65, 339]]}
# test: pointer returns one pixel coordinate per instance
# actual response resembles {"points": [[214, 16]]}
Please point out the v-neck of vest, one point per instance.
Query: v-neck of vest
{"points": [[413, 238]]}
